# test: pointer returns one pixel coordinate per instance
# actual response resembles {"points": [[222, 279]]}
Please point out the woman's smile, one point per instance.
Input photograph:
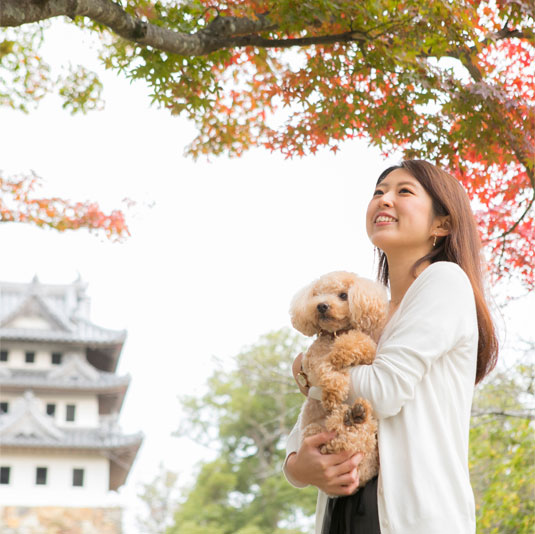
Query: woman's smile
{"points": [[383, 218]]}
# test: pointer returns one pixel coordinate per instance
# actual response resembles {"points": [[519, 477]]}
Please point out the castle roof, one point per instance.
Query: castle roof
{"points": [[39, 379], [57, 313], [75, 374], [27, 427]]}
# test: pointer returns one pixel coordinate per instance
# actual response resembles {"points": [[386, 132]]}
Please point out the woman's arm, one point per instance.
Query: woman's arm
{"points": [[435, 316]]}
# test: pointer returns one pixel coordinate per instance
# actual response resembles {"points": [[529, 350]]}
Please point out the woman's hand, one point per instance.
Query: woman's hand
{"points": [[296, 369], [334, 474]]}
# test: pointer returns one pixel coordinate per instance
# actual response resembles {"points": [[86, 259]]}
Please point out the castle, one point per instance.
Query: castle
{"points": [[61, 448]]}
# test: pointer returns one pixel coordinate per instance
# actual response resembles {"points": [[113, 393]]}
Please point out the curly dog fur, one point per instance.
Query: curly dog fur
{"points": [[347, 313]]}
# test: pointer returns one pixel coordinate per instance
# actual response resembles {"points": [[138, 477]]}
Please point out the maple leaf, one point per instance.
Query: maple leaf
{"points": [[19, 203]]}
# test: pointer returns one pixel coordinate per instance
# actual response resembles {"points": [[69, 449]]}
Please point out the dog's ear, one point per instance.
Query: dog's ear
{"points": [[301, 312], [368, 306]]}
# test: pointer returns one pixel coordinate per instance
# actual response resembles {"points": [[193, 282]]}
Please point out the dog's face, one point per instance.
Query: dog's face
{"points": [[338, 301], [328, 302]]}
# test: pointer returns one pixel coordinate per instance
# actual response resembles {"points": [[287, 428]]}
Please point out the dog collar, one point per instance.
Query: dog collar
{"points": [[333, 334]]}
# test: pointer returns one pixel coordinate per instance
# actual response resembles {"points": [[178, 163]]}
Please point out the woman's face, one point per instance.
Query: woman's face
{"points": [[400, 215]]}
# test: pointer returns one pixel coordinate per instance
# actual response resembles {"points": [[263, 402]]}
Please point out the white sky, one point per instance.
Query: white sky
{"points": [[209, 268]]}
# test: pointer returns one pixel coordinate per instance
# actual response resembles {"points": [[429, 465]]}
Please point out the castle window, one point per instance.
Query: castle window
{"points": [[70, 412], [51, 409], [56, 358], [40, 476], [77, 477], [4, 406], [3, 355], [30, 357], [4, 474]]}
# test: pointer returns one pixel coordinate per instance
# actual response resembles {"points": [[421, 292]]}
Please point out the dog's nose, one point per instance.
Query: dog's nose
{"points": [[322, 308]]}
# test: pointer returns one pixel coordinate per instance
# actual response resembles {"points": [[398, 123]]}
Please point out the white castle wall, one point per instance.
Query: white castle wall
{"points": [[43, 356], [86, 411], [58, 490], [30, 322]]}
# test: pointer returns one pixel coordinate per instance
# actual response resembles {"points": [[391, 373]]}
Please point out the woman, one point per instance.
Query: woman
{"points": [[438, 341]]}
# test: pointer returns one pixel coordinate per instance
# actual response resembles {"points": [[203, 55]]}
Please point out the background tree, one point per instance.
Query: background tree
{"points": [[451, 82], [502, 449], [247, 413], [160, 500], [245, 416]]}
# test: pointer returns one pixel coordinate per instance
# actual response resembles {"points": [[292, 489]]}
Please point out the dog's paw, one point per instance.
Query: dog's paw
{"points": [[341, 359], [355, 415]]}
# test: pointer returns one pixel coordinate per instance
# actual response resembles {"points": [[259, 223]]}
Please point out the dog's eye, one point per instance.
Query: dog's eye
{"points": [[343, 296]]}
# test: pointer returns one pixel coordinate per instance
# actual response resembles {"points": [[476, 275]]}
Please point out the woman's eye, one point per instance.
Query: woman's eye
{"points": [[405, 190], [377, 192], [343, 296]]}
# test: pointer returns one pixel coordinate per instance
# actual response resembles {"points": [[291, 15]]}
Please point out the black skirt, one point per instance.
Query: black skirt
{"points": [[355, 514]]}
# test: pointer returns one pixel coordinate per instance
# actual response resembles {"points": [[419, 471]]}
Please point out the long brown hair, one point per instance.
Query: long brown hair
{"points": [[461, 246]]}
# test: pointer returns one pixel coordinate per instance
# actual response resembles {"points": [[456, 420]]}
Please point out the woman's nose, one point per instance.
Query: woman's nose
{"points": [[386, 200]]}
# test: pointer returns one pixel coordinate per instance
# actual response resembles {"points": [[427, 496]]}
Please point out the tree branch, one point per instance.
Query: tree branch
{"points": [[519, 220], [221, 33], [218, 34], [529, 415], [504, 33], [256, 40], [465, 55]]}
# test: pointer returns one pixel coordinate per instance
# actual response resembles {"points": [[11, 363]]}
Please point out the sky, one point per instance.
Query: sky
{"points": [[217, 249]]}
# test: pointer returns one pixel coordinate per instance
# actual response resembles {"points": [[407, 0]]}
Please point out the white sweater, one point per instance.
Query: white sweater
{"points": [[421, 385]]}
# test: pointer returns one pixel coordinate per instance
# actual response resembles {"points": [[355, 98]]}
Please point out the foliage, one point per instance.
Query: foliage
{"points": [[19, 203], [81, 90], [25, 77], [159, 498], [451, 82], [502, 451], [246, 414]]}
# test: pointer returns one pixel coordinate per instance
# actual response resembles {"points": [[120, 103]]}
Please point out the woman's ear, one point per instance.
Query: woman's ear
{"points": [[368, 306], [302, 313], [441, 226]]}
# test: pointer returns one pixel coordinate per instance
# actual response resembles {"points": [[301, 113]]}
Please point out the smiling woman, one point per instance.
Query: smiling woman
{"points": [[402, 219], [436, 205], [438, 341]]}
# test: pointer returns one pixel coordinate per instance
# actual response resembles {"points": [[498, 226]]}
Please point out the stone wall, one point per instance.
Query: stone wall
{"points": [[57, 520]]}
